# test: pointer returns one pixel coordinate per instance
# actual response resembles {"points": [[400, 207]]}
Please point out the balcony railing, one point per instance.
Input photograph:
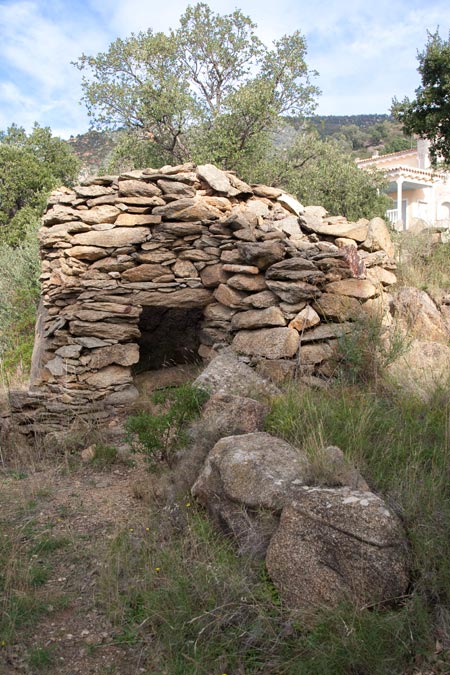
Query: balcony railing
{"points": [[392, 215]]}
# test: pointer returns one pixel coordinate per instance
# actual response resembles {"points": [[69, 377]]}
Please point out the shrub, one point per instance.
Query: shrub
{"points": [[364, 354], [162, 434]]}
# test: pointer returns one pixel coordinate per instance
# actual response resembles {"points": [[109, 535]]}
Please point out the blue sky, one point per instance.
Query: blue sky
{"points": [[364, 51]]}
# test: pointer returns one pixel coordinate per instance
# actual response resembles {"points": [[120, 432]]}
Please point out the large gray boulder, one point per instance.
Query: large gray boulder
{"points": [[245, 482], [337, 544]]}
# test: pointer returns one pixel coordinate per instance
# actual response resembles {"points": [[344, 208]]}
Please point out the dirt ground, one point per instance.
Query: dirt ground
{"points": [[87, 508], [83, 507]]}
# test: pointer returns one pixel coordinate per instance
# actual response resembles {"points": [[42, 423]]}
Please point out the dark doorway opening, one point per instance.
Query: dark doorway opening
{"points": [[169, 337]]}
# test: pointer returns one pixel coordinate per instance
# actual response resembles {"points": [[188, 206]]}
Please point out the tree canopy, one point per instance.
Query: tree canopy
{"points": [[207, 91], [428, 115], [321, 172], [30, 166]]}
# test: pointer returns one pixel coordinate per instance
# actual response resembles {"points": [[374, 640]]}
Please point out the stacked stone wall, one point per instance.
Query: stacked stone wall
{"points": [[276, 281]]}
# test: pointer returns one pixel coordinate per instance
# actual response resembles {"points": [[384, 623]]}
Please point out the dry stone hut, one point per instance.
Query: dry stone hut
{"points": [[159, 266]]}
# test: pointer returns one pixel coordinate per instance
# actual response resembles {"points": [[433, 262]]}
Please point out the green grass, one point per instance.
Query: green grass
{"points": [[423, 264], [179, 593], [40, 658], [400, 445], [26, 564]]}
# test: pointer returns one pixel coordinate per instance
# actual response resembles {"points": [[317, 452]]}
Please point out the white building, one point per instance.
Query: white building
{"points": [[420, 195]]}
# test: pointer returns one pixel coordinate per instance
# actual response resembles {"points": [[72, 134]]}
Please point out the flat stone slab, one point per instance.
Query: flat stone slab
{"points": [[271, 343]]}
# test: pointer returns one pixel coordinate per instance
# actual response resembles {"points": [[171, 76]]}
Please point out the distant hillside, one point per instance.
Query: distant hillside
{"points": [[362, 134], [328, 125], [93, 149]]}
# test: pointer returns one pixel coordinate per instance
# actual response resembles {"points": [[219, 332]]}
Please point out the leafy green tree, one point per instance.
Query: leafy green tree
{"points": [[321, 172], [30, 166], [210, 90], [428, 115]]}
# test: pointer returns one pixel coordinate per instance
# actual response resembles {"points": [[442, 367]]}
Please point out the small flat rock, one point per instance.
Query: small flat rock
{"points": [[120, 354], [173, 187], [291, 204], [145, 272], [117, 237], [86, 252], [338, 229], [111, 376], [258, 318], [229, 296], [185, 298], [215, 178], [98, 329], [137, 188], [106, 213], [218, 312], [156, 257], [266, 191], [293, 291], [132, 219], [261, 255], [240, 269], [355, 288], [338, 307], [247, 282], [184, 269], [213, 275], [306, 318], [188, 209], [260, 300], [140, 201]]}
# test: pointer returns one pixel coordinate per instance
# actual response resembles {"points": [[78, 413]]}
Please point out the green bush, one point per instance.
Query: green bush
{"points": [[19, 297], [162, 434]]}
